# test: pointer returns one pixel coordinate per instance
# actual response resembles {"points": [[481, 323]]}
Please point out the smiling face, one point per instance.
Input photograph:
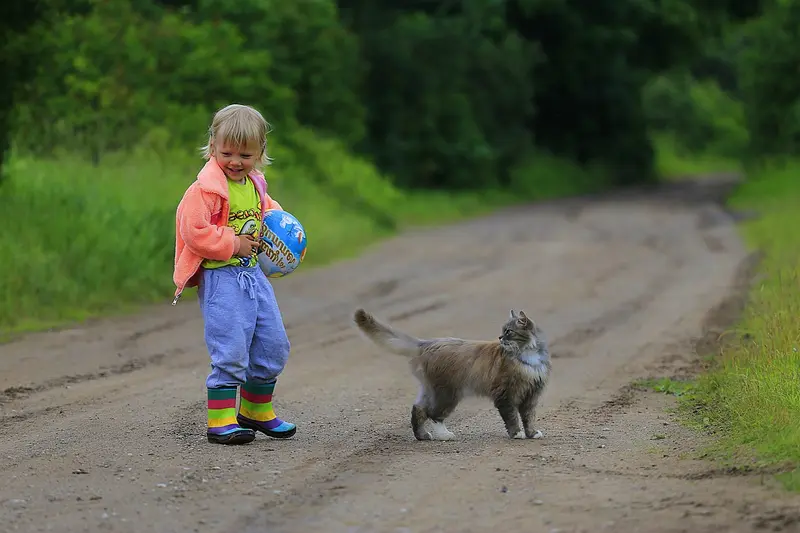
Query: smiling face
{"points": [[236, 161]]}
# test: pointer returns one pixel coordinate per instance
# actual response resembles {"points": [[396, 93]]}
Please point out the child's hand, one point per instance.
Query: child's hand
{"points": [[246, 246]]}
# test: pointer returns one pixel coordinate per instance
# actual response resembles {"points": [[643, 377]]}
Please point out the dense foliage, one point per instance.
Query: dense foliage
{"points": [[770, 80], [440, 94]]}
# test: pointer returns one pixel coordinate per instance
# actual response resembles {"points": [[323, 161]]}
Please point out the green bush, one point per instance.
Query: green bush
{"points": [[700, 117]]}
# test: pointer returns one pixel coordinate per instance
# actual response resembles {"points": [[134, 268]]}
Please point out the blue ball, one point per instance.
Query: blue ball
{"points": [[283, 244]]}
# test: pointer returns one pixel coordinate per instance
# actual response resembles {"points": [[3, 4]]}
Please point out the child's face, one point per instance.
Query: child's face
{"points": [[236, 161]]}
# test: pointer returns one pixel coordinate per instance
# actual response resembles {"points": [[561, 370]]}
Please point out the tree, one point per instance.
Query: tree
{"points": [[16, 16], [770, 87]]}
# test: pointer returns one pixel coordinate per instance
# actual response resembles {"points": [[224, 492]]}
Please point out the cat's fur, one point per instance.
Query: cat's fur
{"points": [[512, 371]]}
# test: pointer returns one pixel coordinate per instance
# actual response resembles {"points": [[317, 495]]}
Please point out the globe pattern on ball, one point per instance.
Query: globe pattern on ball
{"points": [[284, 244]]}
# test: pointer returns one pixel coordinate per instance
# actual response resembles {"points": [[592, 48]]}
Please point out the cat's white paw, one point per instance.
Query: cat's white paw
{"points": [[442, 433], [537, 435], [437, 431], [520, 435]]}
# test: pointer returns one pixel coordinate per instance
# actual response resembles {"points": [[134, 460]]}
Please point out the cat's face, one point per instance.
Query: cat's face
{"points": [[519, 333]]}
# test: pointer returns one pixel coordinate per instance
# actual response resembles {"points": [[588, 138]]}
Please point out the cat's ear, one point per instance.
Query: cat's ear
{"points": [[512, 314], [524, 321]]}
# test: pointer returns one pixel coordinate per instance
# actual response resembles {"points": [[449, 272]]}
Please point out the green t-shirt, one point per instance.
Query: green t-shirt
{"points": [[244, 218]]}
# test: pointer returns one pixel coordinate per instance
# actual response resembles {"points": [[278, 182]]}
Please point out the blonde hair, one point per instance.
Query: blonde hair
{"points": [[239, 125]]}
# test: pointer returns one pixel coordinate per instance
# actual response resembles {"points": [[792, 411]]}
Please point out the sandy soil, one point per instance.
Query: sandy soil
{"points": [[104, 425]]}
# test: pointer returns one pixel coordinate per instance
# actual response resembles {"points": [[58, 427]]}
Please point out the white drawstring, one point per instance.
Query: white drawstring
{"points": [[240, 277]]}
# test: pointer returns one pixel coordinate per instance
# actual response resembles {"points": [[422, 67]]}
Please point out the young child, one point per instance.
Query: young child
{"points": [[218, 229]]}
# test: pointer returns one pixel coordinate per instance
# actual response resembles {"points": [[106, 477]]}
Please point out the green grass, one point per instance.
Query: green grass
{"points": [[673, 162], [81, 241], [667, 386], [750, 399]]}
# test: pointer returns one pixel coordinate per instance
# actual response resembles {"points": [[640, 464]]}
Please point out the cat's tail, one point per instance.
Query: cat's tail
{"points": [[386, 336]]}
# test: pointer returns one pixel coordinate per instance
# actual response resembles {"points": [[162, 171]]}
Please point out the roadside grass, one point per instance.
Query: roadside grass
{"points": [[668, 386], [749, 399], [82, 241]]}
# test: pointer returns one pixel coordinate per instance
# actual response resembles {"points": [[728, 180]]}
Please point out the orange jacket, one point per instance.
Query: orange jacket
{"points": [[201, 230]]}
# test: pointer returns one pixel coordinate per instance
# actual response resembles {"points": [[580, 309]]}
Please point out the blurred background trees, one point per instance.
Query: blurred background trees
{"points": [[439, 94]]}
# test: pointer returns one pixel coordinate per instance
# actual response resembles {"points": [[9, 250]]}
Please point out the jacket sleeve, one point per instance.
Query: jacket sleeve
{"points": [[273, 204], [200, 235]]}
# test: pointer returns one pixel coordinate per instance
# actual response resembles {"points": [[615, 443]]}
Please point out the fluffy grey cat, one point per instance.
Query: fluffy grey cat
{"points": [[512, 370]]}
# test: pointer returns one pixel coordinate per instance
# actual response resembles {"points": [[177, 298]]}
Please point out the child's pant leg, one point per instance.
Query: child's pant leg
{"points": [[270, 349], [229, 308]]}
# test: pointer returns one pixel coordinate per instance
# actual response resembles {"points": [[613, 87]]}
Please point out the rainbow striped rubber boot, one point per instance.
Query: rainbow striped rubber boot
{"points": [[256, 412], [222, 425]]}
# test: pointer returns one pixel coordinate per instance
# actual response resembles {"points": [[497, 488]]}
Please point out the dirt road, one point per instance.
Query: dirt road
{"points": [[104, 425]]}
